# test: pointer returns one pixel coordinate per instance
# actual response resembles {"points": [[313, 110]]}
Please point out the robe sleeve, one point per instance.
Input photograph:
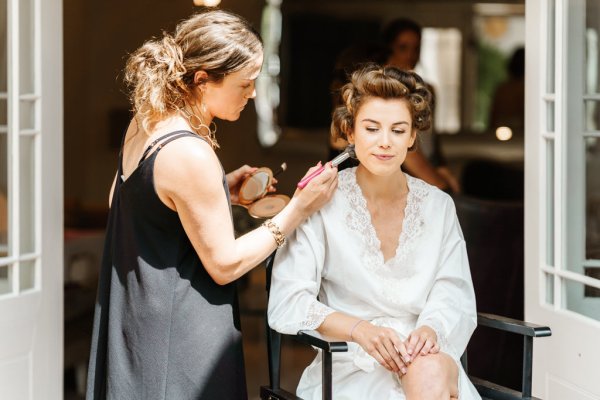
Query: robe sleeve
{"points": [[296, 280], [450, 307]]}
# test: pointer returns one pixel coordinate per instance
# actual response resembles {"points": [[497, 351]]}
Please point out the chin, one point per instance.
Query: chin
{"points": [[231, 117], [379, 170]]}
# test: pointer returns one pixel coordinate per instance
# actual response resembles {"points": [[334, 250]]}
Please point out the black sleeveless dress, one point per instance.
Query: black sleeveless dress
{"points": [[163, 329]]}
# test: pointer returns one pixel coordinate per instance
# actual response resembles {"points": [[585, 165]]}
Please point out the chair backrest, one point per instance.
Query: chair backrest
{"points": [[493, 180], [493, 232]]}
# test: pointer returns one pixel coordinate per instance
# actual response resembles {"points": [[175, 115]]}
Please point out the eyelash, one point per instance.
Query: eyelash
{"points": [[396, 131]]}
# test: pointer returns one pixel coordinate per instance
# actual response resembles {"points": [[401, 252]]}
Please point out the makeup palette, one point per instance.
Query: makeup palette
{"points": [[253, 195]]}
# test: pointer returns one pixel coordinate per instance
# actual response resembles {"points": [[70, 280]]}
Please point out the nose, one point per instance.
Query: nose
{"points": [[253, 92], [385, 139]]}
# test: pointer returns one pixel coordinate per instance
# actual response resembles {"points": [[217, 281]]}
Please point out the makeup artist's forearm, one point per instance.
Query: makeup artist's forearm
{"points": [[338, 326], [255, 246]]}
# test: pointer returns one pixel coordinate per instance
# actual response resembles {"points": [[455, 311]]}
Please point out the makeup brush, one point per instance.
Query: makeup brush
{"points": [[344, 155], [280, 170]]}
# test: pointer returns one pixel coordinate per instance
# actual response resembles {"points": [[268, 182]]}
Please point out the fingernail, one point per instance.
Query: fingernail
{"points": [[409, 351], [404, 370]]}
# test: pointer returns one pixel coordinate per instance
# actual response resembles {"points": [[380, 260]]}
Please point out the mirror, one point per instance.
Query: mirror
{"points": [[255, 186], [253, 197]]}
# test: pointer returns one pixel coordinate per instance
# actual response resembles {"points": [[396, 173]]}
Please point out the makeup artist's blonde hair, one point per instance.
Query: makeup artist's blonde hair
{"points": [[160, 74], [372, 81]]}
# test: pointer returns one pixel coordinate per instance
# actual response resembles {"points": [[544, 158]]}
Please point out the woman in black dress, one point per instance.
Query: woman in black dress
{"points": [[167, 323]]}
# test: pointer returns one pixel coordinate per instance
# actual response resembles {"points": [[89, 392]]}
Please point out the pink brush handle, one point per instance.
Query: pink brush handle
{"points": [[308, 178]]}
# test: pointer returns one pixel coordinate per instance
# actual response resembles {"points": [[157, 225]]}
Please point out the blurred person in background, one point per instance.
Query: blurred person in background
{"points": [[402, 37]]}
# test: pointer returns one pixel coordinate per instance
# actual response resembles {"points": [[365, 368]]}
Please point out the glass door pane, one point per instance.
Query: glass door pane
{"points": [[592, 240], [27, 159], [550, 202], [26, 46], [583, 299], [550, 43], [592, 84], [5, 281]]}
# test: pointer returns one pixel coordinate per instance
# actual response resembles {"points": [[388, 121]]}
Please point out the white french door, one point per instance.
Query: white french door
{"points": [[31, 199], [562, 198]]}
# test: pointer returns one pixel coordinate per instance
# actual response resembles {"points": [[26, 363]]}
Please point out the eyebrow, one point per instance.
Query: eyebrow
{"points": [[377, 122]]}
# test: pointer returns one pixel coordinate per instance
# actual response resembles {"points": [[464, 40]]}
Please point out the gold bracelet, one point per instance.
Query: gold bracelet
{"points": [[276, 232]]}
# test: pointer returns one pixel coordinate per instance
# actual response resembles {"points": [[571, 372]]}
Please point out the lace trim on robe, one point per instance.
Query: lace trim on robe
{"points": [[317, 312], [439, 332], [399, 268]]}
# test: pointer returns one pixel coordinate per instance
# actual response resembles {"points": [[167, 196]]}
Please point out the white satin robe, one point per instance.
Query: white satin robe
{"points": [[333, 262]]}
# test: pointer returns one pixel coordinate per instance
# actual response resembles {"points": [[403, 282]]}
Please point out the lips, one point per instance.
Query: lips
{"points": [[383, 157]]}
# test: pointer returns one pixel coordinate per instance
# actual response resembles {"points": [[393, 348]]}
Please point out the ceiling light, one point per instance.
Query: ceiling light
{"points": [[207, 3]]}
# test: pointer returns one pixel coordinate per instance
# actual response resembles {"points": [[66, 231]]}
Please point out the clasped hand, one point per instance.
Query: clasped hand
{"points": [[385, 346]]}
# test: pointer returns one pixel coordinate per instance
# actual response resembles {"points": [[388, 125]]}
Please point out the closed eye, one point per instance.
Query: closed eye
{"points": [[371, 129], [399, 131]]}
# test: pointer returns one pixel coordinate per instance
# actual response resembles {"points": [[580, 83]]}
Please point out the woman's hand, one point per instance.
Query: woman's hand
{"points": [[318, 191], [237, 177], [383, 344], [422, 341]]}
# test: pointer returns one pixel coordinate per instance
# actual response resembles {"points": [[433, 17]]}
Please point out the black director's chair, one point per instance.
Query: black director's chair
{"points": [[487, 390]]}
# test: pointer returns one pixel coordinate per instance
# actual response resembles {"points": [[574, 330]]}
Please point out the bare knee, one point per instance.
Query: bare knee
{"points": [[433, 376]]}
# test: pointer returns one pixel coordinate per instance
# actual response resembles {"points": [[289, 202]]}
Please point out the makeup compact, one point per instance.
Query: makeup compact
{"points": [[253, 195]]}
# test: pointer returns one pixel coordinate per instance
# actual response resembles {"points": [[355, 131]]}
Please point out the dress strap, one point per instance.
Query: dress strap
{"points": [[164, 140]]}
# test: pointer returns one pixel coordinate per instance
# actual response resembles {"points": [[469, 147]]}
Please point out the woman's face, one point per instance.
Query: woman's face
{"points": [[226, 99], [382, 135], [406, 50]]}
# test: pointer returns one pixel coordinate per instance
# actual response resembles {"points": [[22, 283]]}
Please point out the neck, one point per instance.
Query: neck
{"points": [[195, 113], [381, 187]]}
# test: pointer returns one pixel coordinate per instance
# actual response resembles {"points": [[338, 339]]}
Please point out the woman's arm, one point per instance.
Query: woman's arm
{"points": [[450, 308], [381, 343], [417, 165], [188, 179]]}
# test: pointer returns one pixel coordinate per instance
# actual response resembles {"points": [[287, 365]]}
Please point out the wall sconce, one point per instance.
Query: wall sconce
{"points": [[207, 3], [504, 133]]}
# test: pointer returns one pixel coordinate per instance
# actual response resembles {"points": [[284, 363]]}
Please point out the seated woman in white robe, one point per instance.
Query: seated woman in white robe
{"points": [[383, 265]]}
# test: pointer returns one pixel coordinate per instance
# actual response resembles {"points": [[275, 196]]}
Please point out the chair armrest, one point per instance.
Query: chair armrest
{"points": [[492, 391], [276, 394], [512, 325], [528, 331], [322, 342]]}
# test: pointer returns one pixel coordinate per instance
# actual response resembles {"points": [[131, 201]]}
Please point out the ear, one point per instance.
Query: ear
{"points": [[350, 137], [413, 138], [200, 77]]}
